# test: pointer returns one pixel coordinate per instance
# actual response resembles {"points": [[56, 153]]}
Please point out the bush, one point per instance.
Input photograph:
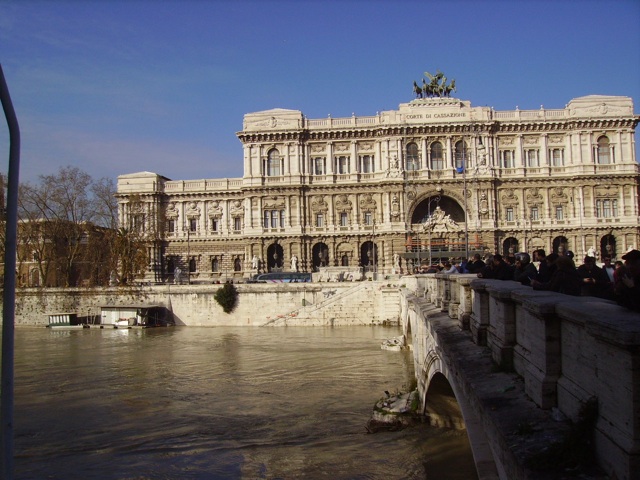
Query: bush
{"points": [[227, 297]]}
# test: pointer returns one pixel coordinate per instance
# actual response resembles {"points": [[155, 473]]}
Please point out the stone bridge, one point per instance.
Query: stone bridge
{"points": [[529, 374]]}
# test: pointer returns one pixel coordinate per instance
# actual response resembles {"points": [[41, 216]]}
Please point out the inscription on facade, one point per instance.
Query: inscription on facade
{"points": [[426, 116]]}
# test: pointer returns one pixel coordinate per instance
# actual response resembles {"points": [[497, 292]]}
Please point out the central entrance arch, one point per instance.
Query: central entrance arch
{"points": [[425, 208]]}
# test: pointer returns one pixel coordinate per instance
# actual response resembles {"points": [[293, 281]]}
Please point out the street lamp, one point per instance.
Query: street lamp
{"points": [[431, 200]]}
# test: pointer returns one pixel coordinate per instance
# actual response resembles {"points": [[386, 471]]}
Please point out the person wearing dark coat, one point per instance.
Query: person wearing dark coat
{"points": [[501, 271], [477, 265], [565, 278], [627, 288], [544, 275], [525, 270], [595, 282]]}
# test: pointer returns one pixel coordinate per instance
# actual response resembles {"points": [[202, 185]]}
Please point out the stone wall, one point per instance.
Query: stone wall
{"points": [[357, 303]]}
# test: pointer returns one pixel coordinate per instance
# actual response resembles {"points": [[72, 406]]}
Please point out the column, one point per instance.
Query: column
{"points": [[544, 150], [354, 166], [449, 163], [424, 157], [518, 160], [330, 165]]}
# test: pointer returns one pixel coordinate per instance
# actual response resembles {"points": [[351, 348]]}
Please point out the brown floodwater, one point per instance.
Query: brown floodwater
{"points": [[218, 403]]}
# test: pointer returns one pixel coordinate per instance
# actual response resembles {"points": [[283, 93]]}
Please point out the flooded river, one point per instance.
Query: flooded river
{"points": [[217, 403]]}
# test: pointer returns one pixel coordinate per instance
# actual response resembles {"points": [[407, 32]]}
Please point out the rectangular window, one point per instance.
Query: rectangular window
{"points": [[559, 213], [367, 164], [343, 165], [509, 214], [193, 224], [507, 159], [171, 226], [606, 209], [138, 223], [534, 213], [318, 166], [214, 224], [215, 264], [344, 219], [319, 220], [368, 218], [274, 218], [237, 224], [267, 216], [281, 218], [533, 160], [557, 157]]}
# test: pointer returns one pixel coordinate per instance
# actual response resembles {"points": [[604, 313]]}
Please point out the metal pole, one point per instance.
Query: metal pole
{"points": [[9, 294], [373, 248], [466, 216]]}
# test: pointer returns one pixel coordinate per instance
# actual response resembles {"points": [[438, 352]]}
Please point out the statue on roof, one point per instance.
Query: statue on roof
{"points": [[437, 86]]}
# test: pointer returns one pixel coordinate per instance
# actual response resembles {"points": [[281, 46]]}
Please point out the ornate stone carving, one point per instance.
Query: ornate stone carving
{"points": [[558, 196], [319, 205], [274, 203], [192, 210], [367, 203], [439, 222], [172, 210], [343, 204], [215, 210], [395, 208], [533, 197]]}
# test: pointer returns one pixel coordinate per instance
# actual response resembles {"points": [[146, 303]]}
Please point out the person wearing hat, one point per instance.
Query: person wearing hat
{"points": [[627, 288]]}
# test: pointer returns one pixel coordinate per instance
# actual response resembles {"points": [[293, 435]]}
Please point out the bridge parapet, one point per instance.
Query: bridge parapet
{"points": [[566, 350]]}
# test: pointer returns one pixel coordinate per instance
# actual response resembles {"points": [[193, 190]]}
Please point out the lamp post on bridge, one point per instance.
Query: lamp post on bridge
{"points": [[431, 200]]}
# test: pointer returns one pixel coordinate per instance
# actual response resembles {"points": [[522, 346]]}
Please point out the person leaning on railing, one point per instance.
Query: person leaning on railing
{"points": [[564, 279], [627, 285]]}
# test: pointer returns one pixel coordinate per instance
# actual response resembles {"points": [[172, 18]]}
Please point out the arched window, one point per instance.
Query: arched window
{"points": [[604, 151], [461, 156], [273, 163], [413, 159], [437, 159]]}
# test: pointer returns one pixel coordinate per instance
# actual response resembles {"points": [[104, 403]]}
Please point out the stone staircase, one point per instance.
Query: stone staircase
{"points": [[363, 303]]}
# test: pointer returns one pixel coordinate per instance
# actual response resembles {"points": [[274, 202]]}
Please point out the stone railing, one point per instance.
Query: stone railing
{"points": [[568, 351]]}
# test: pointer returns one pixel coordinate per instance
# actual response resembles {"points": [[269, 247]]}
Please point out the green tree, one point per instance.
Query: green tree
{"points": [[227, 297]]}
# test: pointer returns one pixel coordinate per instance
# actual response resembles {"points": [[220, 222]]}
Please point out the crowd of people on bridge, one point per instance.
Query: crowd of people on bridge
{"points": [[557, 272]]}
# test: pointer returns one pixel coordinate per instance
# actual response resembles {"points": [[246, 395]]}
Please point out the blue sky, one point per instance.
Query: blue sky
{"points": [[117, 87]]}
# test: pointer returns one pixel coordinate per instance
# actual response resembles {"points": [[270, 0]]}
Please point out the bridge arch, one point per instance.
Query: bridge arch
{"points": [[443, 401]]}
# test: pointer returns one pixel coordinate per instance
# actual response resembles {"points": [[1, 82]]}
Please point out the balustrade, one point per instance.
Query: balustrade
{"points": [[568, 350]]}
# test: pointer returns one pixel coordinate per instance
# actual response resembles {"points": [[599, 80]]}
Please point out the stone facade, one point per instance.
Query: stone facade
{"points": [[376, 191]]}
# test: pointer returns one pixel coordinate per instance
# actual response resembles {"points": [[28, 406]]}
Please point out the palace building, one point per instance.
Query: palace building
{"points": [[435, 178]]}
